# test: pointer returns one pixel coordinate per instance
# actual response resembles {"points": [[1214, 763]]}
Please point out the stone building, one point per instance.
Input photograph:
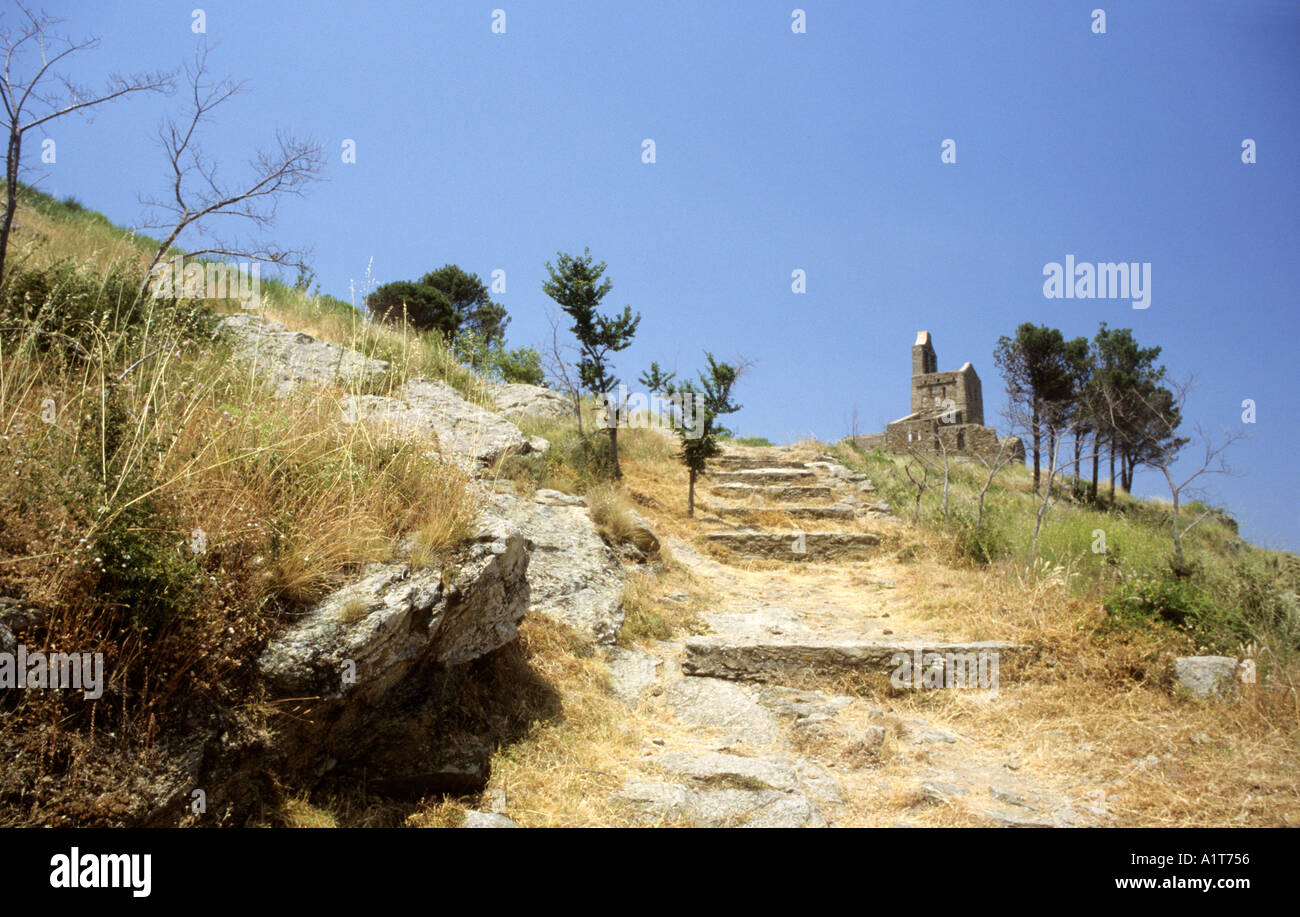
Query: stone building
{"points": [[947, 408]]}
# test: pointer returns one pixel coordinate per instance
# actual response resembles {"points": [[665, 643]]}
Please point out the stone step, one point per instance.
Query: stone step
{"points": [[794, 512], [784, 660], [764, 476], [737, 462], [792, 546], [773, 491]]}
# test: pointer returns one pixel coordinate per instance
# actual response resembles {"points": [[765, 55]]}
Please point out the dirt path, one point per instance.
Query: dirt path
{"points": [[782, 714]]}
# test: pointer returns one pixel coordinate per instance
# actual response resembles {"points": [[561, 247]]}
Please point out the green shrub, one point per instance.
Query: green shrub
{"points": [[982, 544]]}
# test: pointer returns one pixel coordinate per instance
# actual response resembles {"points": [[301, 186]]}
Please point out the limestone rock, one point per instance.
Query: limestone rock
{"points": [[722, 790], [725, 706], [631, 673], [477, 819], [431, 409], [1205, 677], [361, 640], [573, 575], [517, 399], [291, 358]]}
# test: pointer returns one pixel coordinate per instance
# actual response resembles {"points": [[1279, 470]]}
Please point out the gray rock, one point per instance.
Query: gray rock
{"points": [[939, 792], [631, 673], [641, 535], [290, 358], [1206, 677], [918, 732], [517, 399], [573, 575], [476, 819], [720, 790], [869, 749], [722, 705], [360, 641], [785, 658], [432, 410], [787, 546], [8, 643], [1014, 799]]}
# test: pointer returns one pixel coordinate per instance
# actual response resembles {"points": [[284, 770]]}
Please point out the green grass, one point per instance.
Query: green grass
{"points": [[1224, 594]]}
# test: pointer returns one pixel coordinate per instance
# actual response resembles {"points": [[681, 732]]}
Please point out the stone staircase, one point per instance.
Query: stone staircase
{"points": [[754, 733], [748, 488]]}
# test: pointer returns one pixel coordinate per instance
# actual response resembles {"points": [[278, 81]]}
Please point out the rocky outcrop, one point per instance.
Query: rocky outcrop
{"points": [[517, 399], [574, 576], [290, 358], [432, 410]]}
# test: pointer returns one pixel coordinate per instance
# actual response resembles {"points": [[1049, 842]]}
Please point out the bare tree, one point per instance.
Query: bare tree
{"points": [[1162, 456], [31, 50], [196, 194], [559, 367], [1002, 459]]}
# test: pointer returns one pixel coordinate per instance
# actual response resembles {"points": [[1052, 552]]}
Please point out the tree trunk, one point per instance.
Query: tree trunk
{"points": [[1038, 444], [1096, 459], [11, 193], [1112, 472], [690, 495], [613, 442], [1078, 450]]}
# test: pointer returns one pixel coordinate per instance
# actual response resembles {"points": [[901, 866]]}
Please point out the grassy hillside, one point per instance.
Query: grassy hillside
{"points": [[166, 510]]}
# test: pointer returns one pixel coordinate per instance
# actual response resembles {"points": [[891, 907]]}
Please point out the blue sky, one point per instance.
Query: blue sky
{"points": [[778, 151]]}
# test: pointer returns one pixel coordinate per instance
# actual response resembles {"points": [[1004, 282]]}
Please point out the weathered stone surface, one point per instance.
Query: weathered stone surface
{"points": [[773, 491], [725, 706], [784, 659], [291, 358], [721, 790], [517, 399], [805, 546], [573, 575], [431, 409], [361, 640], [631, 673], [764, 476], [796, 704], [477, 819], [1205, 677], [735, 461], [641, 535], [793, 511]]}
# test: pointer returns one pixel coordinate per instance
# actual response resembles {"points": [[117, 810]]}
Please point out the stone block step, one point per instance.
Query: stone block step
{"points": [[742, 462], [773, 491], [785, 659], [793, 511], [764, 476], [797, 546]]}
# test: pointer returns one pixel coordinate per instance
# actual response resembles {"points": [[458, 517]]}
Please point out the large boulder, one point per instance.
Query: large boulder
{"points": [[573, 575], [517, 399], [292, 358]]}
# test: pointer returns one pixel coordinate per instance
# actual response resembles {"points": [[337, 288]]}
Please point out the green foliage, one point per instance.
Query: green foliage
{"points": [[491, 359], [657, 381], [448, 300], [746, 440], [981, 544], [578, 285]]}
